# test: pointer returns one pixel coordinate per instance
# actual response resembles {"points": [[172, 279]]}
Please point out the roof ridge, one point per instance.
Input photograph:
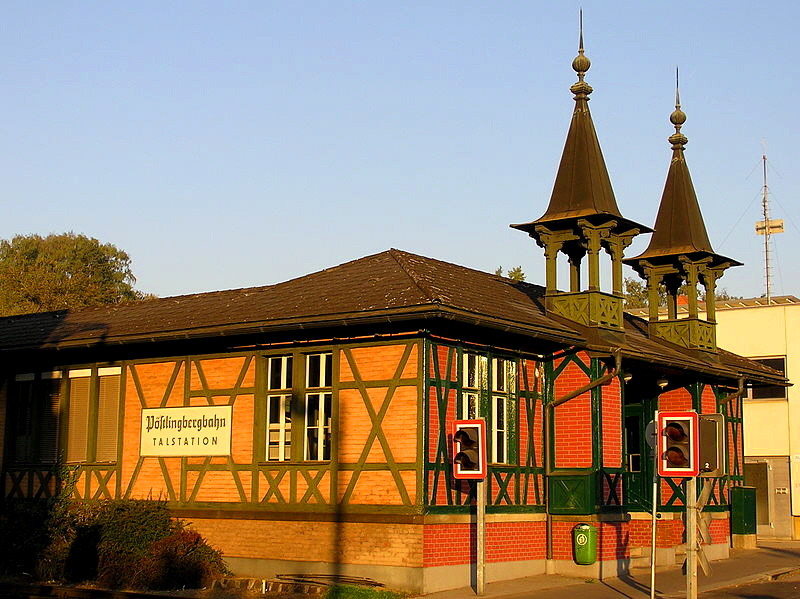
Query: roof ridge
{"points": [[401, 258]]}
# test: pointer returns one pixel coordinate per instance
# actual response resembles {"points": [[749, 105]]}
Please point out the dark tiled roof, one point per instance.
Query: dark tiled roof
{"points": [[389, 285], [391, 282]]}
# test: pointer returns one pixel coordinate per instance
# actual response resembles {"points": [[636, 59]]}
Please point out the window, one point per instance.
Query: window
{"points": [[503, 381], [318, 407], [299, 389], [34, 409], [489, 390], [279, 408], [770, 391], [474, 376], [93, 414]]}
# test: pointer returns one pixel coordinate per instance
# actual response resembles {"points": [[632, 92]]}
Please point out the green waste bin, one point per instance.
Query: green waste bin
{"points": [[743, 510], [584, 544]]}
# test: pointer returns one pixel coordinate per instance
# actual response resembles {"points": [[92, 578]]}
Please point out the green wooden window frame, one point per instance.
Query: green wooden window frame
{"points": [[489, 389], [296, 387], [93, 414]]}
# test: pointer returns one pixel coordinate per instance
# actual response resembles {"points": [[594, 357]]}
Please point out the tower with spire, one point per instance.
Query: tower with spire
{"points": [[680, 255], [582, 221]]}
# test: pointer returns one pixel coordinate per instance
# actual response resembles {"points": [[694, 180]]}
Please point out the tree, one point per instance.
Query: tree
{"points": [[515, 274], [39, 274], [636, 294]]}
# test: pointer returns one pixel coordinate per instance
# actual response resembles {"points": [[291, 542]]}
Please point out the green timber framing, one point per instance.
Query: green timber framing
{"points": [[578, 493]]}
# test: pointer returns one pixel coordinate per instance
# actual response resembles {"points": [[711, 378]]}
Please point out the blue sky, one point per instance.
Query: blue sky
{"points": [[231, 144]]}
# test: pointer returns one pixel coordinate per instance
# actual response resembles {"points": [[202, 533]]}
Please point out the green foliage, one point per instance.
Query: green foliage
{"points": [[181, 560], [120, 544], [515, 274], [636, 294], [346, 591], [24, 533], [39, 274], [36, 533], [125, 530]]}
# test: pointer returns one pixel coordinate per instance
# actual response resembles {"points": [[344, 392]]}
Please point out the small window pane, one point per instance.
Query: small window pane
{"points": [[319, 370], [471, 371], [280, 372], [313, 366], [318, 426], [499, 374], [279, 427]]}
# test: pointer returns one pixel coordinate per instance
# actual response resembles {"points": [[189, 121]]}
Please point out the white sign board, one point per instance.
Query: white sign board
{"points": [[193, 431]]}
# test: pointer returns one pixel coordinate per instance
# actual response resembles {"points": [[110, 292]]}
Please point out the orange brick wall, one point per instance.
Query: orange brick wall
{"points": [[389, 544], [163, 384], [509, 541], [612, 540], [573, 421], [670, 533], [676, 399]]}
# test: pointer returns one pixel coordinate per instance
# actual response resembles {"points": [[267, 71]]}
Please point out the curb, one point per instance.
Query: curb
{"points": [[769, 576]]}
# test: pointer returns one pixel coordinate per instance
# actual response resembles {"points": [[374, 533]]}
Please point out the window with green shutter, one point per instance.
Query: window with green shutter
{"points": [[93, 415]]}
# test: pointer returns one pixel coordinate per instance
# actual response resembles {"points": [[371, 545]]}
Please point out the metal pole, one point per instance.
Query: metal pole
{"points": [[653, 539], [480, 579], [691, 538]]}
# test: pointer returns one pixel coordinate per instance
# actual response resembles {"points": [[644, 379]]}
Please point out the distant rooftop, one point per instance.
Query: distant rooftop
{"points": [[730, 304]]}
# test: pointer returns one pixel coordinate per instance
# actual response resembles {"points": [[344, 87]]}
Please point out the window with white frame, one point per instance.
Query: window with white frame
{"points": [[318, 409], [503, 386], [488, 389], [472, 382], [279, 408]]}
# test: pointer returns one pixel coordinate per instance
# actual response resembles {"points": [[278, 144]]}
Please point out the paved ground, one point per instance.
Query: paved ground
{"points": [[787, 587], [771, 560]]}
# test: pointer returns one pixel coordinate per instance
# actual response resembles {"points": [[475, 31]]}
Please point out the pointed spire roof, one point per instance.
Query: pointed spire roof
{"points": [[582, 188], [679, 228]]}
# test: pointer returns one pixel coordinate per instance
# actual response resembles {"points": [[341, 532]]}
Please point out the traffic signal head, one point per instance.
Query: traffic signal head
{"points": [[677, 443], [712, 444], [469, 449]]}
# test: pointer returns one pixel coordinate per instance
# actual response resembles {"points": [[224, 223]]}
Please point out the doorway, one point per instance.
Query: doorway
{"points": [[770, 477], [638, 412]]}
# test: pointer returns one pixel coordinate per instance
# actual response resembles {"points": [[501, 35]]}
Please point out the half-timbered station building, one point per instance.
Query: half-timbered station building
{"points": [[306, 426]]}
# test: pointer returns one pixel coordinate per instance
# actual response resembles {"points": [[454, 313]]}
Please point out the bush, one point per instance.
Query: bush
{"points": [[25, 533], [130, 543], [127, 529], [182, 560]]}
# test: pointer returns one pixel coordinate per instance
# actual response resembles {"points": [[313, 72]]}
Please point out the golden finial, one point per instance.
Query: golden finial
{"points": [[677, 118], [580, 65]]}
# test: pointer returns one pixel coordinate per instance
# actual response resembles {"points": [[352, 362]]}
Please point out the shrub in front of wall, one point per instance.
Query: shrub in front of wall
{"points": [[127, 529], [24, 535], [182, 560]]}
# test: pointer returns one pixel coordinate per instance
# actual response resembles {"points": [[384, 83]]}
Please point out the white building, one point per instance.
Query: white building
{"points": [[769, 333]]}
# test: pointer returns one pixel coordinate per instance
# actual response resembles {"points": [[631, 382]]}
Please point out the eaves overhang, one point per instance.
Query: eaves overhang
{"points": [[554, 334]]}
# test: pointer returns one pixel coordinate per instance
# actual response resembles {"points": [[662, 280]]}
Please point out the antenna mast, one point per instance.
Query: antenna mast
{"points": [[766, 228]]}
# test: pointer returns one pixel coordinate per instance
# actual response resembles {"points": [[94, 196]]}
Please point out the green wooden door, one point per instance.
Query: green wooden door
{"points": [[639, 462]]}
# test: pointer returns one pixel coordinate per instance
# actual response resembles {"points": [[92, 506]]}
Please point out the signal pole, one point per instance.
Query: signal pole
{"points": [[480, 578], [691, 538]]}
